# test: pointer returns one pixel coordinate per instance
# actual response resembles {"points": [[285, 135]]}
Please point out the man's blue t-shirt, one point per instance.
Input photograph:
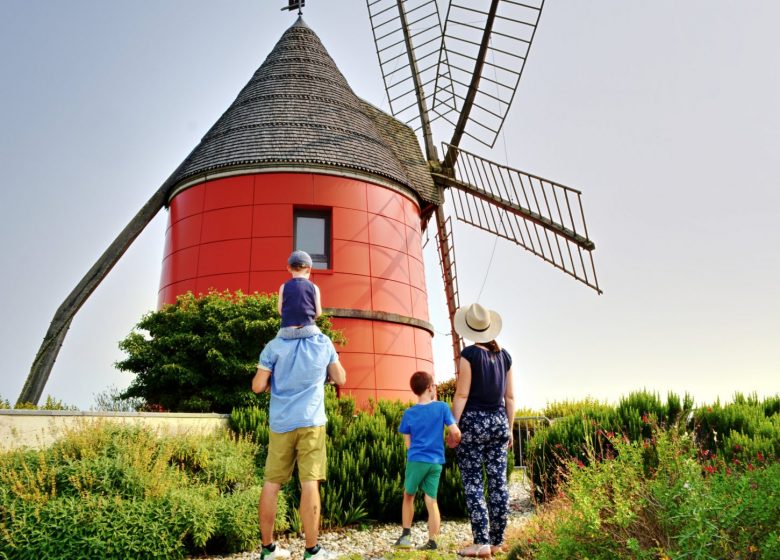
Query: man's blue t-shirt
{"points": [[425, 424], [298, 369]]}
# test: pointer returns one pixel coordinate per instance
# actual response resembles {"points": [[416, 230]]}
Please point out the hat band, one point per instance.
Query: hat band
{"points": [[475, 329]]}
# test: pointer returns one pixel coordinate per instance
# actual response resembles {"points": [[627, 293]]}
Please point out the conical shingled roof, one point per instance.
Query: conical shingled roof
{"points": [[299, 109]]}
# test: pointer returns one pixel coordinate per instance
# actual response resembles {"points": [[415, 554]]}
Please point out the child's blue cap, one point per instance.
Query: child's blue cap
{"points": [[299, 258]]}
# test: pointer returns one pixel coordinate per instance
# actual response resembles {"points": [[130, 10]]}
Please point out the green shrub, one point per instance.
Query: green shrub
{"points": [[581, 431], [625, 507], [108, 491], [366, 463], [200, 353]]}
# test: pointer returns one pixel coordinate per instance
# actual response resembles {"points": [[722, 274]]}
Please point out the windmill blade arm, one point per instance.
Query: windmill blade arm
{"points": [[540, 215], [406, 33], [60, 323], [484, 49]]}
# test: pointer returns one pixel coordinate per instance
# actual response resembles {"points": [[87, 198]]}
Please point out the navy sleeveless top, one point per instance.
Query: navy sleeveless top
{"points": [[488, 377], [298, 303]]}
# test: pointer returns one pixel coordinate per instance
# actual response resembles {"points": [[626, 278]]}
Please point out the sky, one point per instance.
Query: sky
{"points": [[663, 113]]}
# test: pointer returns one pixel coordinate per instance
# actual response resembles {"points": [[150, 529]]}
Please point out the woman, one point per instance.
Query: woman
{"points": [[484, 408]]}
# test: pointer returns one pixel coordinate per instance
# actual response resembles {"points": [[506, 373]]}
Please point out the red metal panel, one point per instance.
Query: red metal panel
{"points": [[227, 223], [185, 233], [413, 242], [360, 370], [416, 274], [292, 188], [391, 338], [389, 264], [229, 191], [222, 282], [386, 232], [422, 345], [391, 297], [419, 304], [339, 192], [411, 214], [270, 253], [181, 265], [351, 257], [350, 225], [385, 202], [223, 257], [360, 336], [394, 372], [187, 203], [267, 282], [272, 220], [349, 291]]}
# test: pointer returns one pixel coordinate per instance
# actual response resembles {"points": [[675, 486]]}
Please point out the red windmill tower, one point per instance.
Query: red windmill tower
{"points": [[298, 161]]}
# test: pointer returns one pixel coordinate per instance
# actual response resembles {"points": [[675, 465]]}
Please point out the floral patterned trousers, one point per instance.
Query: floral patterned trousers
{"points": [[485, 437]]}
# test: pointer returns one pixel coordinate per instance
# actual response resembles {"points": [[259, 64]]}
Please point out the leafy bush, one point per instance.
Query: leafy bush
{"points": [[366, 463], [662, 504], [200, 353], [581, 432], [107, 491], [50, 404]]}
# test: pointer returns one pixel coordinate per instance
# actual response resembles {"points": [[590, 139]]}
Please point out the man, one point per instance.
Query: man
{"points": [[296, 369]]}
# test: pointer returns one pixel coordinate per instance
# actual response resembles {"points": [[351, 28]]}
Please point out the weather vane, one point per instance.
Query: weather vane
{"points": [[295, 5]]}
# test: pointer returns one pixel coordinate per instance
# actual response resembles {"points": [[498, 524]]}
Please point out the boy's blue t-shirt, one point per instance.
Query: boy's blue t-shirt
{"points": [[425, 424]]}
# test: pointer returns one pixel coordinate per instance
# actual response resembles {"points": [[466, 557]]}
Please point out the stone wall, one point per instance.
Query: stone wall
{"points": [[36, 429]]}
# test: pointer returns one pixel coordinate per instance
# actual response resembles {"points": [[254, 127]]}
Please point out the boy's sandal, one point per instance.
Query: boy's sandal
{"points": [[476, 551]]}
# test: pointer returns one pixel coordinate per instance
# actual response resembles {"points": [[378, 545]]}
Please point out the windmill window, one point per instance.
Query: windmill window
{"points": [[312, 234]]}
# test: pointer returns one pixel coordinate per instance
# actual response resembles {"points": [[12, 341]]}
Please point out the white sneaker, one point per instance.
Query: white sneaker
{"points": [[278, 552], [321, 554]]}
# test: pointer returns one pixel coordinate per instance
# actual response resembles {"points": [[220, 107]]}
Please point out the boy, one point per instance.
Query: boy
{"points": [[299, 298], [422, 426]]}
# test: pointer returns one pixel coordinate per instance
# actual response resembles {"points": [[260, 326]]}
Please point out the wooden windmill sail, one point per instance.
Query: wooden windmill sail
{"points": [[463, 70]]}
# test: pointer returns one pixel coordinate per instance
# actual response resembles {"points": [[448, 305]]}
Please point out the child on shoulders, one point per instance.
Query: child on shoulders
{"points": [[299, 299]]}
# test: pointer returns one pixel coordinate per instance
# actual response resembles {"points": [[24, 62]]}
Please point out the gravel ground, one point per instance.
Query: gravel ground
{"points": [[376, 541]]}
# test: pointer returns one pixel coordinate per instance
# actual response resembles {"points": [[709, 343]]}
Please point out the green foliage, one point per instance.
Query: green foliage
{"points": [[581, 431], [662, 504], [445, 391], [366, 463], [200, 353], [50, 404], [4, 404], [106, 491]]}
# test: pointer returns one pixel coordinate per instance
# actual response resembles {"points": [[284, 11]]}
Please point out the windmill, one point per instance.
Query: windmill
{"points": [[298, 140], [464, 72]]}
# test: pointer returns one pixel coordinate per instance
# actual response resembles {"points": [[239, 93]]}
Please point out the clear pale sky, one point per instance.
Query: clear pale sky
{"points": [[665, 114]]}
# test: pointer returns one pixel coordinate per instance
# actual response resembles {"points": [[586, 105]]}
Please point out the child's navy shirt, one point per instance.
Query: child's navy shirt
{"points": [[299, 303]]}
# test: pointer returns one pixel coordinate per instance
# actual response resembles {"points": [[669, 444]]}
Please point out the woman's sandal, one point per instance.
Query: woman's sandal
{"points": [[476, 551]]}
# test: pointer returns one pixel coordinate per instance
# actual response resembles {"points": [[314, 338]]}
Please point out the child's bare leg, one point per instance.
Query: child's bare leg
{"points": [[434, 519], [407, 511]]}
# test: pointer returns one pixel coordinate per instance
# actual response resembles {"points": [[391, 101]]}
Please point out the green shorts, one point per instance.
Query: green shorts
{"points": [[305, 446], [422, 475]]}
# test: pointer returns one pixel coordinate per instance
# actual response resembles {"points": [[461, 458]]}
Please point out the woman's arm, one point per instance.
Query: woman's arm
{"points": [[509, 403], [462, 388]]}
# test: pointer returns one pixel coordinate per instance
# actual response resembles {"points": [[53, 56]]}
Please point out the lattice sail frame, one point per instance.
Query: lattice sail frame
{"points": [[542, 216], [420, 18], [484, 48]]}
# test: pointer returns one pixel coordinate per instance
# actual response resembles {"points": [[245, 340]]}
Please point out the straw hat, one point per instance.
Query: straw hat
{"points": [[477, 323]]}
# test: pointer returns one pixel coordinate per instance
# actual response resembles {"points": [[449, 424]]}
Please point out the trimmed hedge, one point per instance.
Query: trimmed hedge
{"points": [[746, 430]]}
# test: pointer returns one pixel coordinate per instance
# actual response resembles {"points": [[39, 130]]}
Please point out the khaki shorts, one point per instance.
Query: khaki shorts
{"points": [[306, 446]]}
